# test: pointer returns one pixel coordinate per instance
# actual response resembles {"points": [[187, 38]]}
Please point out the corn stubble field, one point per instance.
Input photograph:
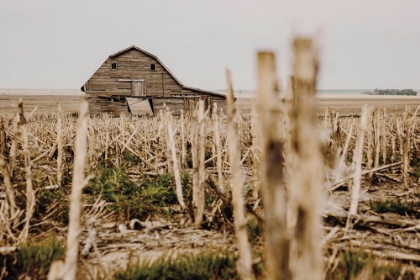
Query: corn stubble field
{"points": [[278, 188]]}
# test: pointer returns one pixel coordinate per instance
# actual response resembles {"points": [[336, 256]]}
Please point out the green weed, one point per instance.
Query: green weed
{"points": [[392, 206], [34, 260], [51, 197], [129, 200], [129, 157], [351, 265], [200, 266], [390, 273], [254, 231], [186, 185], [415, 163]]}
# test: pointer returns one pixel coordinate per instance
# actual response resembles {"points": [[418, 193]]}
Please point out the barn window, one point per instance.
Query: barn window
{"points": [[114, 66], [152, 67]]}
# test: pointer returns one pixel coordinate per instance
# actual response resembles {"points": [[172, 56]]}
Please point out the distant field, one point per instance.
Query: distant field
{"points": [[8, 103], [349, 105], [346, 105]]}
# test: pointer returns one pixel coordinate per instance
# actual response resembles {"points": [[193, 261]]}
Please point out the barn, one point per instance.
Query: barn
{"points": [[136, 73]]}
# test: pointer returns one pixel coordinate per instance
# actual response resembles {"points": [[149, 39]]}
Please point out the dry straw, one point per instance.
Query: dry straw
{"points": [[406, 146], [69, 269], [306, 173], [358, 162], [272, 174], [244, 262], [198, 156], [60, 150], [30, 192], [2, 137], [256, 153], [218, 148], [177, 174]]}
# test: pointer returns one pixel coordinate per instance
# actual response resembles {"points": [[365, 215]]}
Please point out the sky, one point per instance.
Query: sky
{"points": [[364, 44]]}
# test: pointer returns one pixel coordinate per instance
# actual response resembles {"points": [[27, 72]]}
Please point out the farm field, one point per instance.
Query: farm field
{"points": [[133, 212]]}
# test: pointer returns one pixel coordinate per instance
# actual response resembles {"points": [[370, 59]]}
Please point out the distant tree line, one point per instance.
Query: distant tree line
{"points": [[391, 92]]}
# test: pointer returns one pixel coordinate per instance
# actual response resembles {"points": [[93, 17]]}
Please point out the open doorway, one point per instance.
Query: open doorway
{"points": [[140, 106]]}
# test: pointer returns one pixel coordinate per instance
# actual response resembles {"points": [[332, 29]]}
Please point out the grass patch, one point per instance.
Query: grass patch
{"points": [[391, 206], [129, 157], [351, 265], [47, 198], [200, 266], [33, 260], [254, 231], [129, 200], [415, 163]]}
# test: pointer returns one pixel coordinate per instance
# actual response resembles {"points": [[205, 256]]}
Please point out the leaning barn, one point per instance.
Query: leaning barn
{"points": [[136, 73]]}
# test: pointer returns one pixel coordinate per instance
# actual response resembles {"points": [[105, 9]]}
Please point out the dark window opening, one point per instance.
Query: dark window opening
{"points": [[114, 66], [152, 67]]}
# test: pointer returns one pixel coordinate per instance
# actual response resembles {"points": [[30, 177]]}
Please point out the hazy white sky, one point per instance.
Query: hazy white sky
{"points": [[59, 44]]}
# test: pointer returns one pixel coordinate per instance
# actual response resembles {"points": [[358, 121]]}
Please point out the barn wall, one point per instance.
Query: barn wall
{"points": [[98, 105], [187, 103]]}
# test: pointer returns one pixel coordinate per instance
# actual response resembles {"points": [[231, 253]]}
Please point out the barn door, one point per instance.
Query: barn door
{"points": [[137, 88]]}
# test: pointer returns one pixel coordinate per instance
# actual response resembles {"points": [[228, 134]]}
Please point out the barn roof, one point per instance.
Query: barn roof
{"points": [[164, 66], [148, 54]]}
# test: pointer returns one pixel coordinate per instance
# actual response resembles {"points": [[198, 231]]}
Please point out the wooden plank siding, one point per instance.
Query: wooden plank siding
{"points": [[176, 104], [98, 105], [159, 84]]}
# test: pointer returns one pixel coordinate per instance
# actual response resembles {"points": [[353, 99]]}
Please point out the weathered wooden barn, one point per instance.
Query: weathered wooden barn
{"points": [[136, 73]]}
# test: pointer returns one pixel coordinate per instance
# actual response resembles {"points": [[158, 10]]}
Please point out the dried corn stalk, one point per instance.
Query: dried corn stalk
{"points": [[69, 270], [406, 146], [218, 148], [2, 137], [59, 147], [272, 175], [358, 161], [306, 174], [177, 174], [244, 262], [30, 192], [198, 155]]}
